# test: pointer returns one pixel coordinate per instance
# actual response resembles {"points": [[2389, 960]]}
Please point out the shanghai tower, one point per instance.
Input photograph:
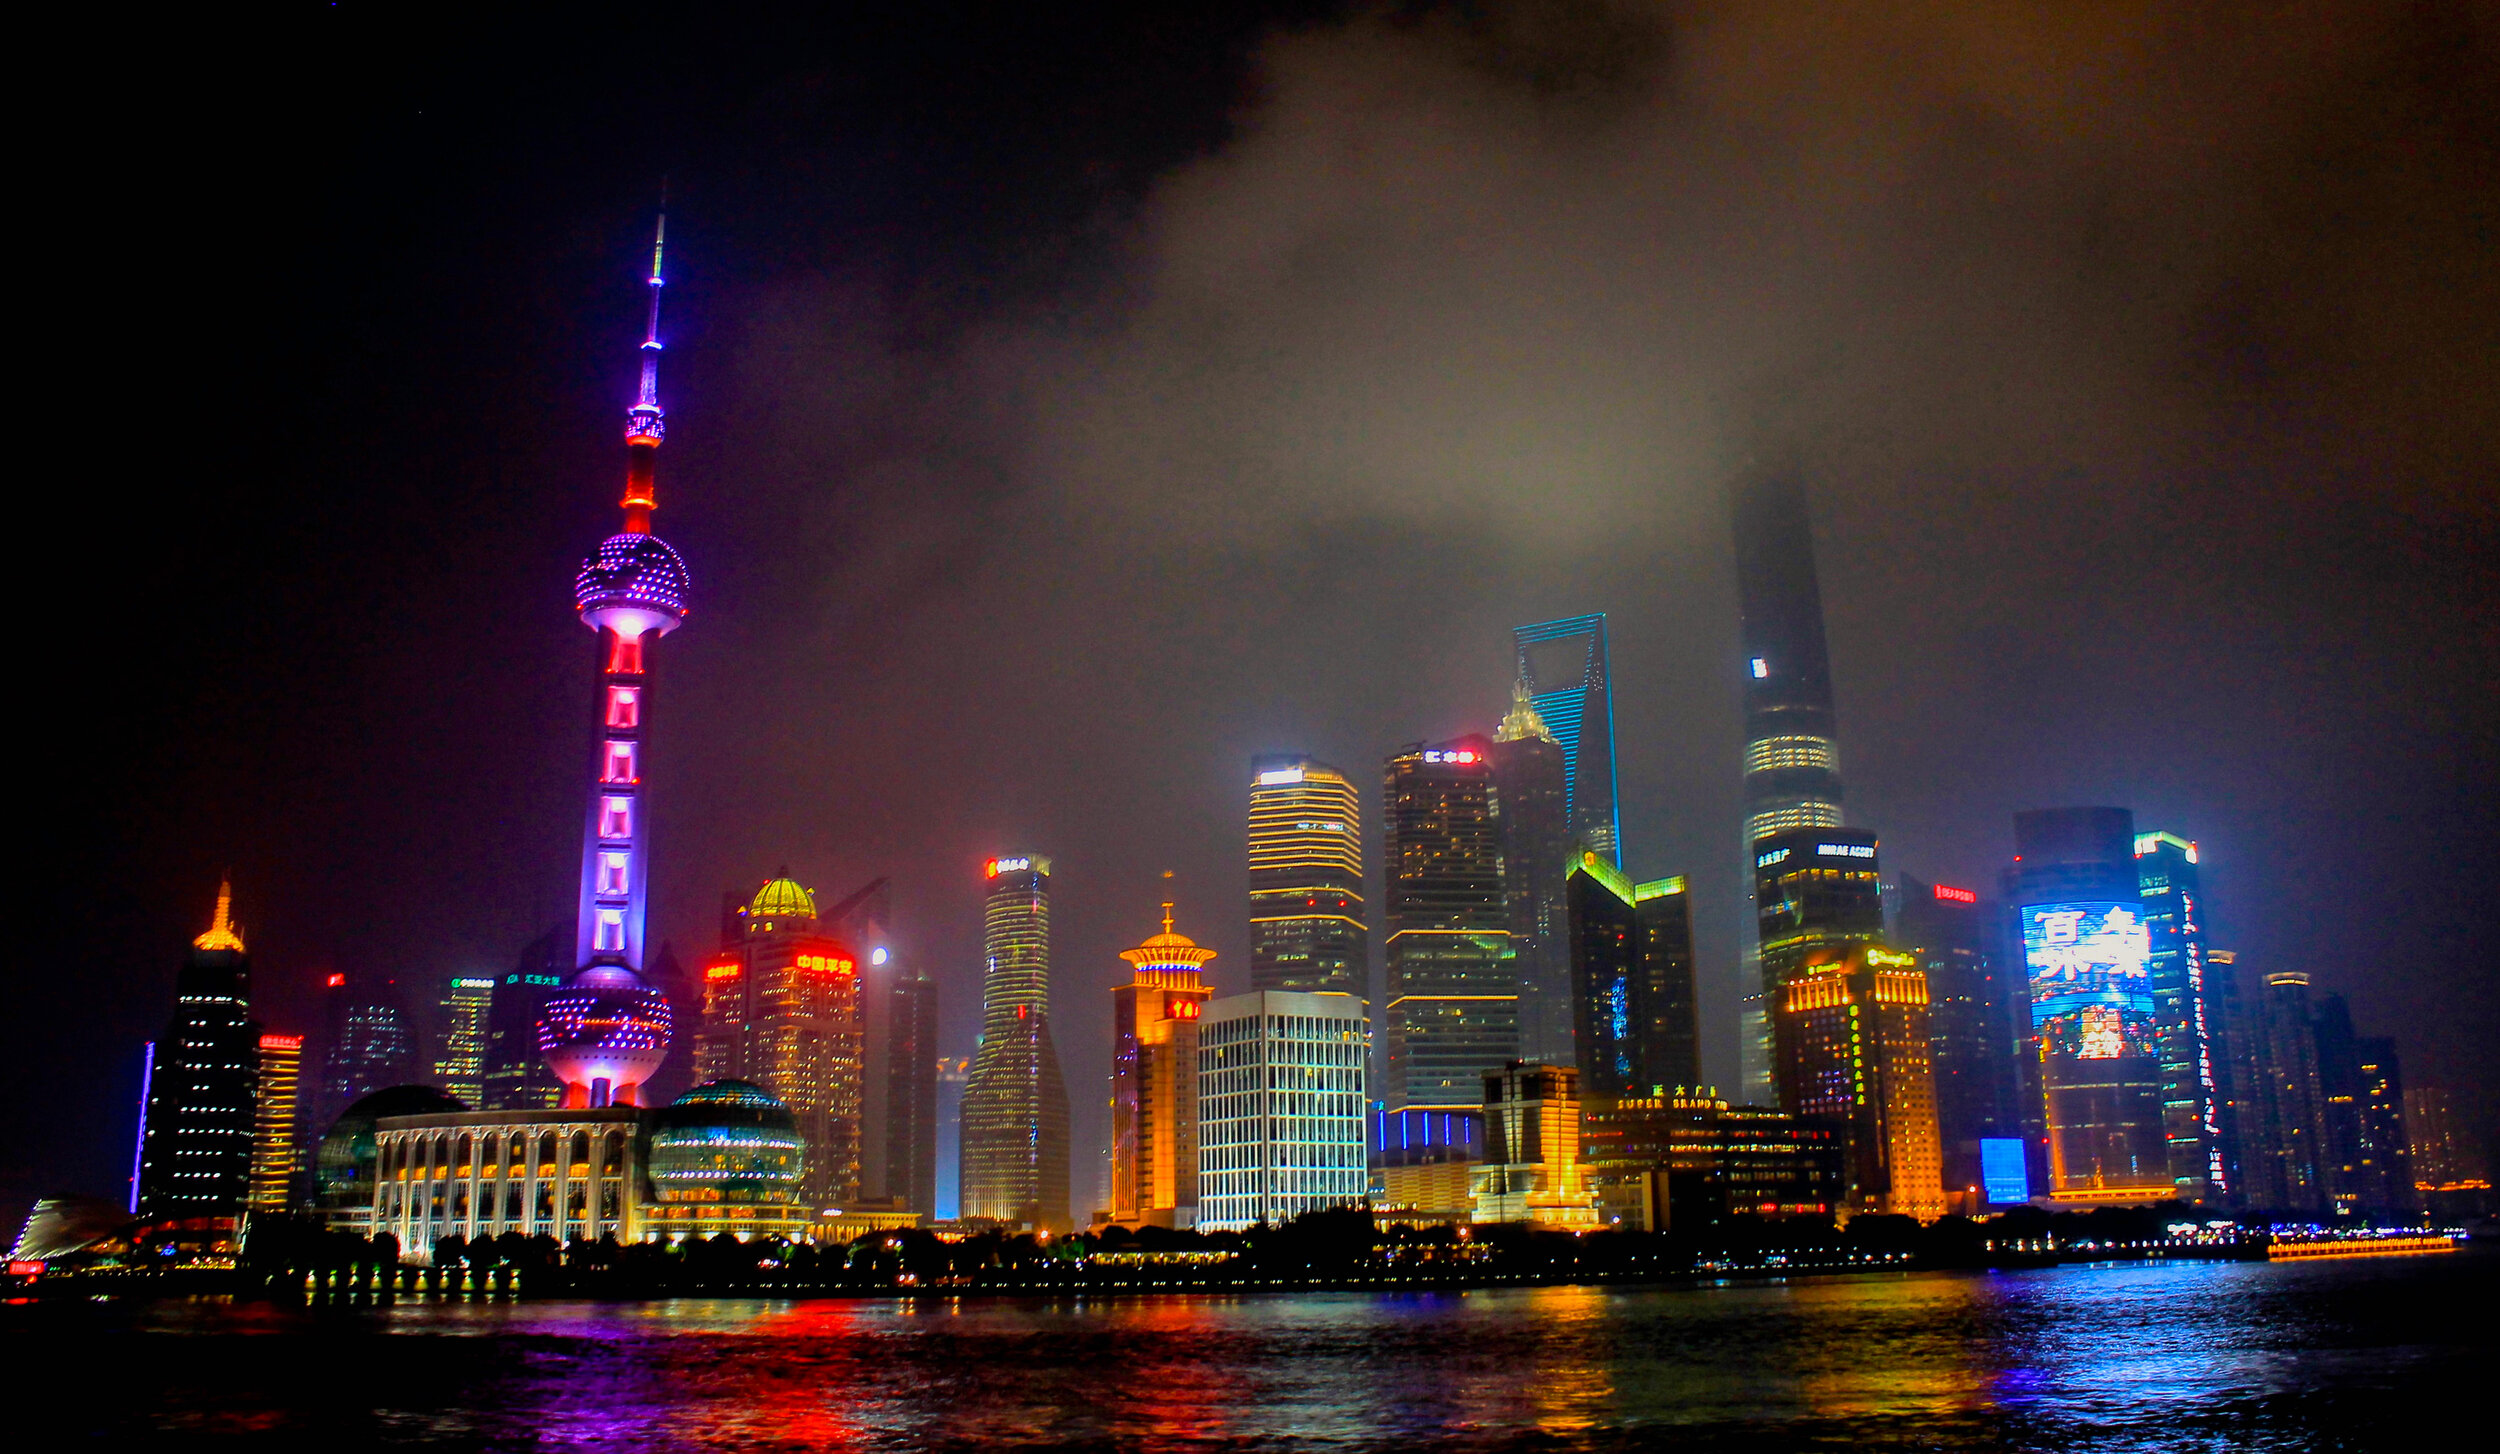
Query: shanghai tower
{"points": [[1792, 758], [607, 1029]]}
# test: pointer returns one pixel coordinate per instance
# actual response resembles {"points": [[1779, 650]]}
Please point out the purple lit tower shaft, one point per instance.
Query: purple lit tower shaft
{"points": [[602, 1035]]}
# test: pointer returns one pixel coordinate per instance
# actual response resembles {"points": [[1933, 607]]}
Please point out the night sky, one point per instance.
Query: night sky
{"points": [[1065, 406]]}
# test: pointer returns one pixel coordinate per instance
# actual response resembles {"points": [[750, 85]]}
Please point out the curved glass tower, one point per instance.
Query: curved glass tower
{"points": [[1015, 1109]]}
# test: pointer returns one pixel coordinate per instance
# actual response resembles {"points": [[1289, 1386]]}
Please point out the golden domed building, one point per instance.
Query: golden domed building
{"points": [[781, 1010]]}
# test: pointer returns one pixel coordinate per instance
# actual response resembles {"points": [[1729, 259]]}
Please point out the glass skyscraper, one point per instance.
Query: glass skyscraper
{"points": [[1792, 750], [781, 1010], [2191, 1016], [1307, 929], [1631, 951], [467, 1011], [1280, 1107], [1453, 1011], [1950, 931], [1533, 778], [1015, 1106], [1572, 688]]}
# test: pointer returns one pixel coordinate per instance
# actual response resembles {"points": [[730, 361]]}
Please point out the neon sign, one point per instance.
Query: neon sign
{"points": [[1279, 776], [1956, 896], [1761, 668], [1180, 1009], [997, 866], [1462, 756], [335, 981], [281, 1042], [1845, 850], [826, 963], [1772, 857]]}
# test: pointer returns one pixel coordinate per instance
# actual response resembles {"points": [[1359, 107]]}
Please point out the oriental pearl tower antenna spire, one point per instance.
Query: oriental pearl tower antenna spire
{"points": [[607, 1030]]}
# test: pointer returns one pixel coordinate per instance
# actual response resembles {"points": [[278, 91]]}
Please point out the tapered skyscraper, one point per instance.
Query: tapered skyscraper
{"points": [[1015, 1109], [607, 1029], [1792, 752]]}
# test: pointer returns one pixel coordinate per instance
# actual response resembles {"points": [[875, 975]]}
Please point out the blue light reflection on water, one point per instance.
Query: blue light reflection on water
{"points": [[2126, 1357]]}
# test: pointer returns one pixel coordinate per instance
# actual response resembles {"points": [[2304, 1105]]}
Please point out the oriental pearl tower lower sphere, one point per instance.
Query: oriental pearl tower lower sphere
{"points": [[603, 1035]]}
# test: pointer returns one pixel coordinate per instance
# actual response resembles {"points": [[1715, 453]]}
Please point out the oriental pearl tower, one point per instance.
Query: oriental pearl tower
{"points": [[607, 1029]]}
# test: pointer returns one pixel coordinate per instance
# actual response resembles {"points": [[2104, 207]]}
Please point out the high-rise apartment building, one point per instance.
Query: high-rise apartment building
{"points": [[1154, 1081], [468, 1012], [2450, 1169], [1571, 687], [2191, 1007], [1307, 925], [276, 1133], [195, 1143], [1852, 1041], [781, 1010], [2369, 1173], [1631, 952], [1015, 1106], [1453, 1011], [1531, 1170], [911, 1089], [1280, 1107], [1533, 780], [2078, 907], [1951, 933], [1792, 751], [2285, 1161]]}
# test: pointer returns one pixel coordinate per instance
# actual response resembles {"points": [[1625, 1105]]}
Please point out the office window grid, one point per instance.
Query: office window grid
{"points": [[1280, 1116]]}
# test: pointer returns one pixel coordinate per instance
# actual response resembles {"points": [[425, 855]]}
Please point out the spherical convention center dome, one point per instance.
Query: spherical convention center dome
{"points": [[782, 898], [727, 1141], [604, 1034], [343, 1168], [632, 585]]}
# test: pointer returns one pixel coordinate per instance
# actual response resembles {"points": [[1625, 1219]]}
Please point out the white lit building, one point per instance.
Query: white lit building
{"points": [[1280, 1107]]}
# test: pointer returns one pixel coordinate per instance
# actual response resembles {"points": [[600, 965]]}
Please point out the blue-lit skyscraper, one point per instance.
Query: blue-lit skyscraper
{"points": [[1572, 687]]}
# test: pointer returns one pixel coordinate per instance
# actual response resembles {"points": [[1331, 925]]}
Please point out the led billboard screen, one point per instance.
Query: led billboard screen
{"points": [[2001, 1173], [2090, 967]]}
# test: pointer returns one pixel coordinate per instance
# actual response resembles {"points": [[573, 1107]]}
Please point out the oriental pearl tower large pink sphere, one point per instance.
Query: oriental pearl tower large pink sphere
{"points": [[603, 1035]]}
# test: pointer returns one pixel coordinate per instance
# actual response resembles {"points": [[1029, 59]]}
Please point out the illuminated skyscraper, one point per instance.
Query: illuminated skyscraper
{"points": [[1813, 888], [911, 1090], [1015, 1107], [275, 1133], [516, 1077], [1852, 1043], [1970, 1025], [1453, 1011], [1154, 1081], [781, 1010], [2191, 1017], [608, 1028], [1306, 879], [2079, 910], [195, 1148], [1792, 751], [2450, 1170], [369, 1047], [1534, 780], [468, 1009], [1280, 1107], [1571, 687], [1631, 949]]}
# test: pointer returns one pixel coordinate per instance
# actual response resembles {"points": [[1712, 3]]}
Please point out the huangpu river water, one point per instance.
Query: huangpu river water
{"points": [[2366, 1354]]}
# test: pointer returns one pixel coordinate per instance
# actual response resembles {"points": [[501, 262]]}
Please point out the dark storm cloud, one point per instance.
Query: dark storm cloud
{"points": [[2132, 353]]}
